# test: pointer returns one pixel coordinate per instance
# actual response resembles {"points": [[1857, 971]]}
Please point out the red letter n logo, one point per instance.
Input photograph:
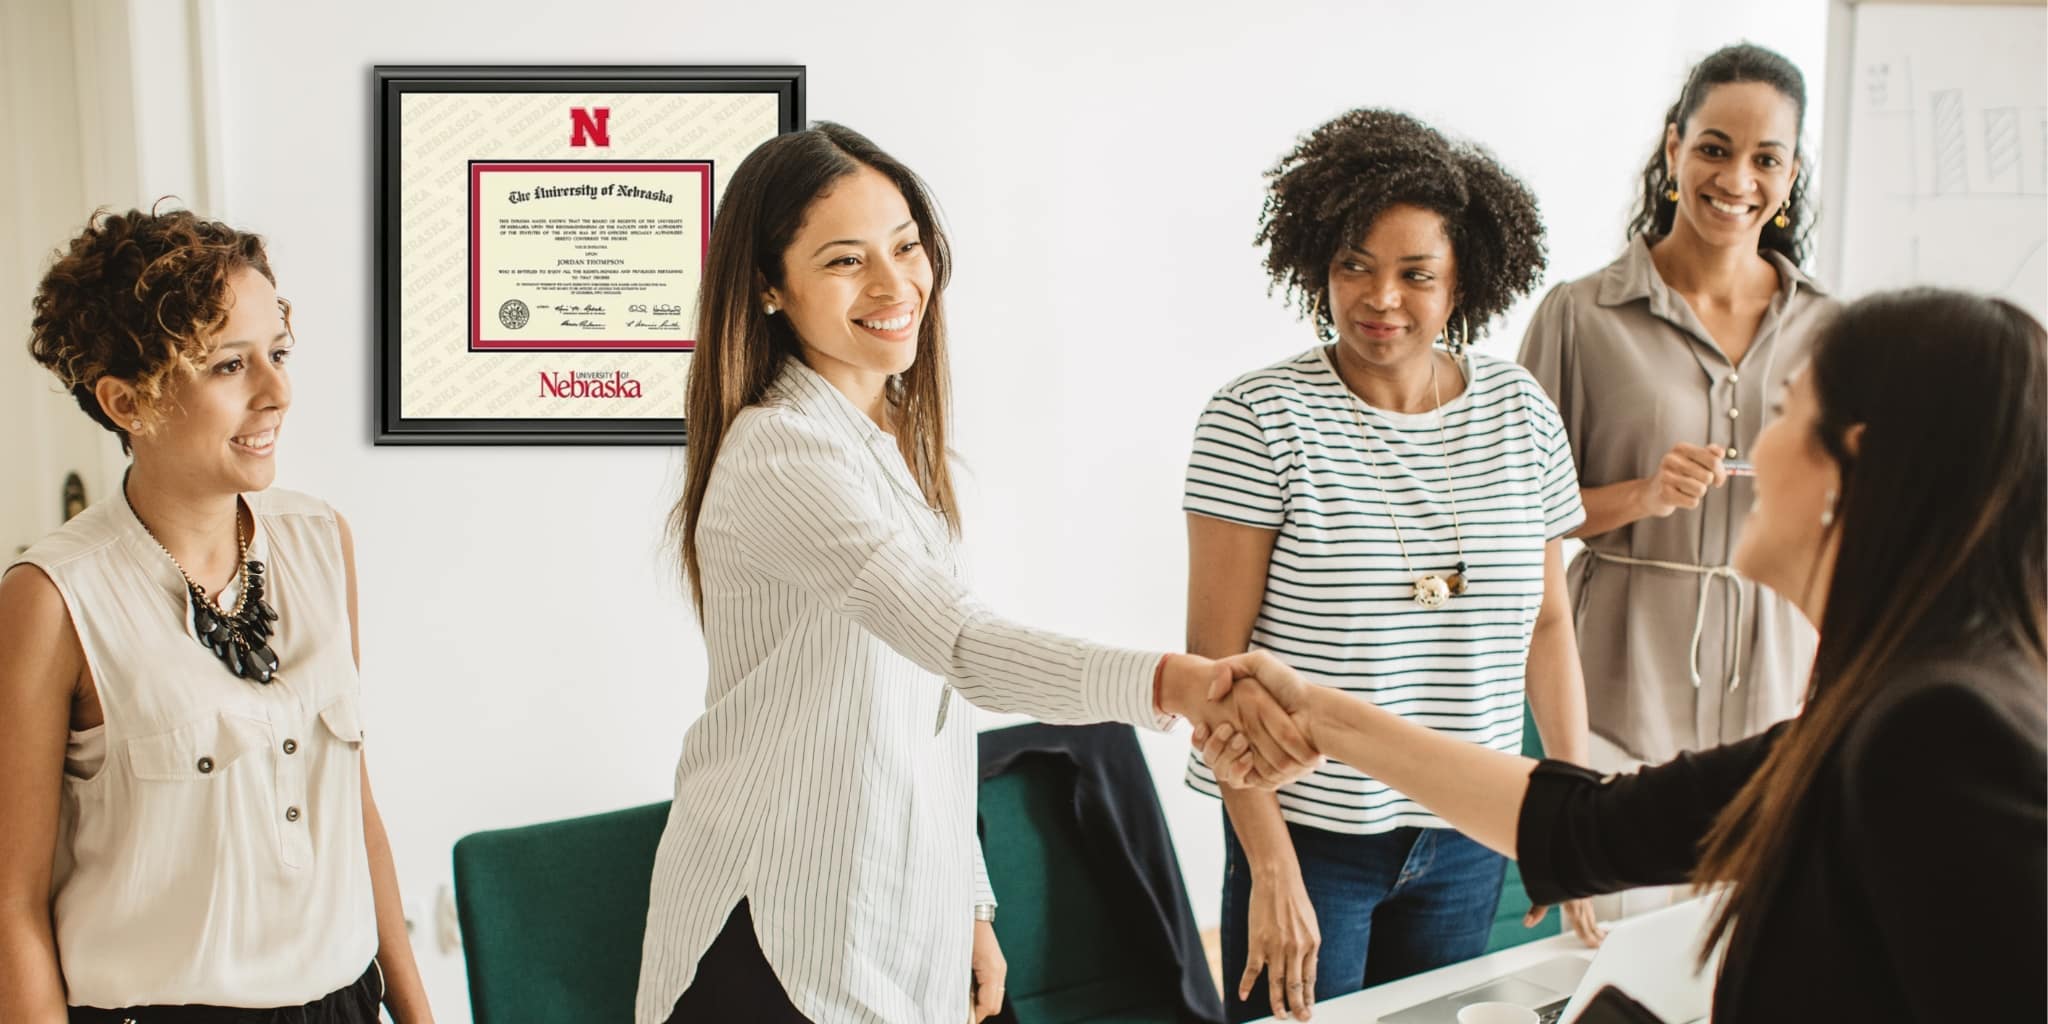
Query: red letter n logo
{"points": [[587, 126]]}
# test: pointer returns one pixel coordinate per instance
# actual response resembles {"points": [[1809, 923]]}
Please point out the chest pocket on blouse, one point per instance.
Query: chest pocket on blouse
{"points": [[343, 721], [198, 751]]}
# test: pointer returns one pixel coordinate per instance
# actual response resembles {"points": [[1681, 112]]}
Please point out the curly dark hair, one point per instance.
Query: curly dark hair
{"points": [[1743, 62], [1327, 192], [138, 297]]}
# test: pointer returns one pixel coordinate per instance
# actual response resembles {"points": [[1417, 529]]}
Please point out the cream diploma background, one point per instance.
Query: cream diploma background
{"points": [[443, 132]]}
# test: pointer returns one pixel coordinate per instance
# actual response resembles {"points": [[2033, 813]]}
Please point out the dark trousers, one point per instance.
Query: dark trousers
{"points": [[734, 981], [353, 1004]]}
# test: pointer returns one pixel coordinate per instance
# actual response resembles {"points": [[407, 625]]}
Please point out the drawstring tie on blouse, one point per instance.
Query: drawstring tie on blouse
{"points": [[1707, 574]]}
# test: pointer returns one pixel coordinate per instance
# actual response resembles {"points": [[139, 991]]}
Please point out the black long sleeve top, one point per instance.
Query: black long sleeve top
{"points": [[1915, 885]]}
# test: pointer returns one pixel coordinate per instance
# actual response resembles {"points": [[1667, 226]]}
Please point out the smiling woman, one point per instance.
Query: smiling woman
{"points": [[189, 819], [1664, 365], [820, 860], [855, 301]]}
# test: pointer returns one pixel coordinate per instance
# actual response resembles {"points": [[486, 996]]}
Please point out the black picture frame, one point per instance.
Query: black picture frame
{"points": [[578, 84]]}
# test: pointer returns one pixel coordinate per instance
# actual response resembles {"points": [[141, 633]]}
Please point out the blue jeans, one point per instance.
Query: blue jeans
{"points": [[1388, 905]]}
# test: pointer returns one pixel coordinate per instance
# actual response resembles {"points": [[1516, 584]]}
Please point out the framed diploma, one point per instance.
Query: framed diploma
{"points": [[541, 233]]}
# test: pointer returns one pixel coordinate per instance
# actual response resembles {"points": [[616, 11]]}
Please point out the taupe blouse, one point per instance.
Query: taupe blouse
{"points": [[1684, 654]]}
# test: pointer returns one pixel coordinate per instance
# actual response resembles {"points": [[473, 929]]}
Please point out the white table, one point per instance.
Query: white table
{"points": [[1365, 1007]]}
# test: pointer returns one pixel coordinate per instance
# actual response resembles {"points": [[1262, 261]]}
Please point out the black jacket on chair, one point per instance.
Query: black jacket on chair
{"points": [[1124, 828]]}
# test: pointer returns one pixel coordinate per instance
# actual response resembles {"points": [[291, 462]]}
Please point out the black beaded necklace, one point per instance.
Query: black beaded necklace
{"points": [[239, 638]]}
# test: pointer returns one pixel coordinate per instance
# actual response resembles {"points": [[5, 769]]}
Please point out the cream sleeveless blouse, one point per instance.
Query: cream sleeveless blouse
{"points": [[210, 840]]}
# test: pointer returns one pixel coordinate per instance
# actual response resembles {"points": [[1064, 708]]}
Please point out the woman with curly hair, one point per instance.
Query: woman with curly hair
{"points": [[1383, 512], [189, 833], [1662, 366]]}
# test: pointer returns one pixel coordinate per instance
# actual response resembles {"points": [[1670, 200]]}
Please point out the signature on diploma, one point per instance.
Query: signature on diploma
{"points": [[655, 325], [584, 325], [578, 310]]}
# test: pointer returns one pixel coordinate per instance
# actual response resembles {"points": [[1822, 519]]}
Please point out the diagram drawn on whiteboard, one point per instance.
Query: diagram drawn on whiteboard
{"points": [[1947, 176]]}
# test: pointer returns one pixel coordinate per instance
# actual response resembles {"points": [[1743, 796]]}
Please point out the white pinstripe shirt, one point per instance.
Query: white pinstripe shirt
{"points": [[831, 780]]}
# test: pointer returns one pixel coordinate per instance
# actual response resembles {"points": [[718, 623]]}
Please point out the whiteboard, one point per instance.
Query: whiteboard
{"points": [[1945, 171]]}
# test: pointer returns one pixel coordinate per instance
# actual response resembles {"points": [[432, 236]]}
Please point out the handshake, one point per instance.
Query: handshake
{"points": [[1250, 713]]}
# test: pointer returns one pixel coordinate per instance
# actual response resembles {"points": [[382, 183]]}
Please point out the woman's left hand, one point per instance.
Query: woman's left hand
{"points": [[985, 992], [1578, 916]]}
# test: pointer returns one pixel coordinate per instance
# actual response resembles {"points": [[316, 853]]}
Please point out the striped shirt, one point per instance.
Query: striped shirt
{"points": [[1282, 449], [831, 780]]}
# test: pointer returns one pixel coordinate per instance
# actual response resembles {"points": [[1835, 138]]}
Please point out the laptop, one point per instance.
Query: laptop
{"points": [[1650, 957]]}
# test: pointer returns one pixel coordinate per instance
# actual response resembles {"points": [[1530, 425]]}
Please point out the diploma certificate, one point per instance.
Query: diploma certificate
{"points": [[586, 256], [541, 238]]}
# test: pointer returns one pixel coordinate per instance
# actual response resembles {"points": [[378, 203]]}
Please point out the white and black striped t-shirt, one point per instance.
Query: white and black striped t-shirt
{"points": [[1282, 449]]}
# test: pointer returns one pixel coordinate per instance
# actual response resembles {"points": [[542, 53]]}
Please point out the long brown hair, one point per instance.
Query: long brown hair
{"points": [[740, 349], [1942, 516]]}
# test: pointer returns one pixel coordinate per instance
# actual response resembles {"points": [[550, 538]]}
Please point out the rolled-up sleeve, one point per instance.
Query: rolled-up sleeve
{"points": [[803, 515], [1582, 835]]}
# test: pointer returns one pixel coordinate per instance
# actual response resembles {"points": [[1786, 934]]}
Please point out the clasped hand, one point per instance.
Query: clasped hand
{"points": [[1253, 703]]}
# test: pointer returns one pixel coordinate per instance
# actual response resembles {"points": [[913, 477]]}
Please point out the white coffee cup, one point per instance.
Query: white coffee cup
{"points": [[1496, 1013]]}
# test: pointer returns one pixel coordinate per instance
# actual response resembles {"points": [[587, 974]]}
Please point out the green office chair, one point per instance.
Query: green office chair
{"points": [[552, 916], [1514, 900], [1065, 933], [1083, 941]]}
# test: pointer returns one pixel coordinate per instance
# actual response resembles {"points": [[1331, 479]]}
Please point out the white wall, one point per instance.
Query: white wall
{"points": [[527, 653], [72, 116]]}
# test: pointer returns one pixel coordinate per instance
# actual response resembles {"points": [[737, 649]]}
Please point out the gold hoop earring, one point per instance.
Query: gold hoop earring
{"points": [[1781, 220], [1670, 190], [1455, 344]]}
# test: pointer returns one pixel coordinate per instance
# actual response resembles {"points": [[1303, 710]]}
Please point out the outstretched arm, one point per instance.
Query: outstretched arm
{"points": [[1575, 833], [1476, 789], [795, 508]]}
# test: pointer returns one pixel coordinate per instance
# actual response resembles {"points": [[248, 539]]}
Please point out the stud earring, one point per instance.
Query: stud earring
{"points": [[1781, 220], [134, 425], [768, 308], [1827, 514]]}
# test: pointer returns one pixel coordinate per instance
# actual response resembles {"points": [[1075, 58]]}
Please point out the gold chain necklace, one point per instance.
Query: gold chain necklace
{"points": [[1431, 590]]}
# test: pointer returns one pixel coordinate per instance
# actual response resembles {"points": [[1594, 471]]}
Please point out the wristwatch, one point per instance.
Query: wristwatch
{"points": [[985, 912]]}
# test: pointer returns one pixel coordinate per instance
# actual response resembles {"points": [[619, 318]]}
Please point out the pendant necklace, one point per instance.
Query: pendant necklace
{"points": [[1431, 589], [239, 638]]}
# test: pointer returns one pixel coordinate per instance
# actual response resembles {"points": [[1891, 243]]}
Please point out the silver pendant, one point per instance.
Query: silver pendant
{"points": [[1431, 591]]}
